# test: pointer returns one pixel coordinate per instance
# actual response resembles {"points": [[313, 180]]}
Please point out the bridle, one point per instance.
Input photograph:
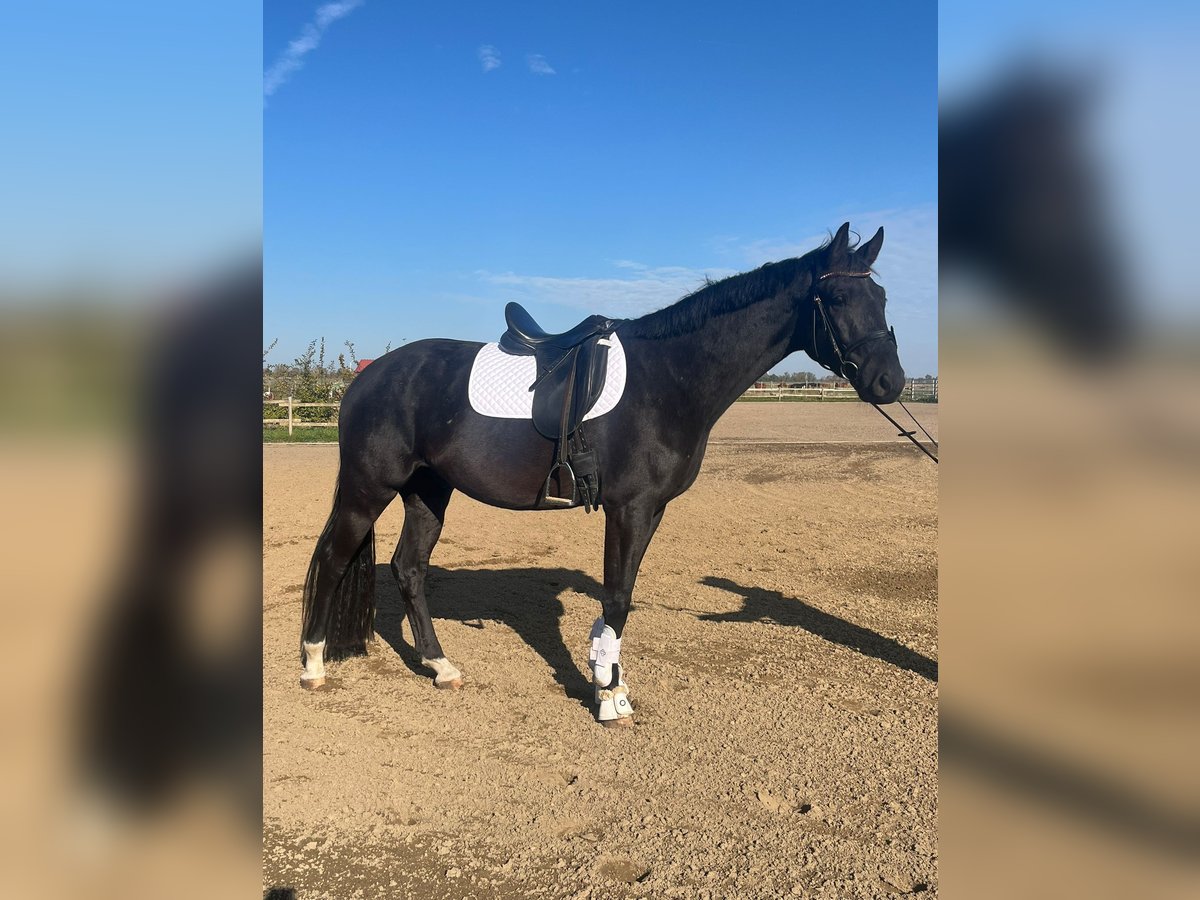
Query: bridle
{"points": [[849, 369], [846, 367]]}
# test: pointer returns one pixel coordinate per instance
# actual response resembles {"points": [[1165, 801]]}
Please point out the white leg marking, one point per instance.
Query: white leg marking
{"points": [[314, 664], [447, 674], [613, 700]]}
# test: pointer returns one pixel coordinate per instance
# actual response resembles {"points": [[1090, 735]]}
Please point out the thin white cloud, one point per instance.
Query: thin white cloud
{"points": [[644, 290], [292, 58], [489, 57], [538, 65], [907, 267], [908, 264]]}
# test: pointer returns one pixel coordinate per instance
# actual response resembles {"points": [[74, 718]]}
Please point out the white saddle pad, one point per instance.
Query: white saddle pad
{"points": [[499, 383]]}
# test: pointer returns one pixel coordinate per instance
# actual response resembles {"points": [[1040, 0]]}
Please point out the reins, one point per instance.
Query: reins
{"points": [[910, 434], [844, 365]]}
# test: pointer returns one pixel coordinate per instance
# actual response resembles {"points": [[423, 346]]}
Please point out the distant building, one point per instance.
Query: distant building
{"points": [[362, 364]]}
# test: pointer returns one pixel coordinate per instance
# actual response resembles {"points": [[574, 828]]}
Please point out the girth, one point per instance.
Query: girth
{"points": [[571, 369]]}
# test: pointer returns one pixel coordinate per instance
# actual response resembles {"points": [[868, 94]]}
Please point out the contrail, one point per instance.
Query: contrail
{"points": [[291, 59]]}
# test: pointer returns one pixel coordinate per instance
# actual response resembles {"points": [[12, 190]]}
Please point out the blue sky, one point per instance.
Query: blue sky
{"points": [[132, 139], [425, 163]]}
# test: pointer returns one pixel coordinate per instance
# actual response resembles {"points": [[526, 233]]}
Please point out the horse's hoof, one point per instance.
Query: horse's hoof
{"points": [[623, 722], [312, 684], [454, 684]]}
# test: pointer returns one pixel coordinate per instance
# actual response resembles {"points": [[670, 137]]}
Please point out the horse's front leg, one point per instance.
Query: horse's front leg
{"points": [[627, 533]]}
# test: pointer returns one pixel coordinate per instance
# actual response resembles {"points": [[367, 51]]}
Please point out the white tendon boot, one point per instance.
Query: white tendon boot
{"points": [[612, 699]]}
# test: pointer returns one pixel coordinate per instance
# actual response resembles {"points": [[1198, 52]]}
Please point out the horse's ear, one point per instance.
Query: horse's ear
{"points": [[869, 251], [840, 245]]}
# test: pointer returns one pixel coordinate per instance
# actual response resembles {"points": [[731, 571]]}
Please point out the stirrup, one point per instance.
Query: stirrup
{"points": [[547, 497]]}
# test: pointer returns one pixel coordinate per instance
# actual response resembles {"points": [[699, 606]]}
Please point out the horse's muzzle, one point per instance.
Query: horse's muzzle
{"points": [[886, 388]]}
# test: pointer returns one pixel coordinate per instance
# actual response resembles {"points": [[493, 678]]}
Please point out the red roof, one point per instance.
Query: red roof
{"points": [[362, 364]]}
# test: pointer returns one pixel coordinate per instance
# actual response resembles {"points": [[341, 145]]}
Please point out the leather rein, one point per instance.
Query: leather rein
{"points": [[849, 369]]}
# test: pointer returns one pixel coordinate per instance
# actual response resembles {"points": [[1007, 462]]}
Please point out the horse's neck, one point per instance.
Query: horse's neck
{"points": [[727, 354]]}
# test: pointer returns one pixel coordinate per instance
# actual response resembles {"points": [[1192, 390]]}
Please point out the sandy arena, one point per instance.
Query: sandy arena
{"points": [[781, 655]]}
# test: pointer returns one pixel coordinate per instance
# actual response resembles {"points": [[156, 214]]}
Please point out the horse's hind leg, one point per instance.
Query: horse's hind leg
{"points": [[425, 499], [339, 592]]}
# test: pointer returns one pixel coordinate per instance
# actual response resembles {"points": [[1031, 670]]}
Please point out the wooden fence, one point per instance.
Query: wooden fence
{"points": [[914, 390], [291, 406]]}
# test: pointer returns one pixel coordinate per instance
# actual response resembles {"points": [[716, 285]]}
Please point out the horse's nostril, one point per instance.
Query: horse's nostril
{"points": [[885, 384]]}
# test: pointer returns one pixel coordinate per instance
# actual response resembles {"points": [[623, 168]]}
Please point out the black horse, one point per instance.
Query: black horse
{"points": [[406, 427]]}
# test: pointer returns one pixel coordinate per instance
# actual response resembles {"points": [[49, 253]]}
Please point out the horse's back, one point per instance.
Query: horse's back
{"points": [[394, 398], [416, 373]]}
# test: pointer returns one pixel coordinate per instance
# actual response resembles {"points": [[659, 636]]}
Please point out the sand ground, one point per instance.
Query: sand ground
{"points": [[782, 659]]}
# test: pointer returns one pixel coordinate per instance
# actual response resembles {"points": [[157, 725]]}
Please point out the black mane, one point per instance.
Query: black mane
{"points": [[716, 298]]}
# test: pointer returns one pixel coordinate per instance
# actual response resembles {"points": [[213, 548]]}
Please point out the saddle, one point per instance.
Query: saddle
{"points": [[571, 368]]}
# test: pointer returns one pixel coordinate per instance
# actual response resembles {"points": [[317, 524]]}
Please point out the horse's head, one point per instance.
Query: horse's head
{"points": [[846, 330]]}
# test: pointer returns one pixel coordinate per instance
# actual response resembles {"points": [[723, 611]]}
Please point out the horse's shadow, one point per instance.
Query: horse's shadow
{"points": [[771, 606], [526, 600]]}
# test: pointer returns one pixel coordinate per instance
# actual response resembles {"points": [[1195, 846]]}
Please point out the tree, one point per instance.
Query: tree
{"points": [[310, 378]]}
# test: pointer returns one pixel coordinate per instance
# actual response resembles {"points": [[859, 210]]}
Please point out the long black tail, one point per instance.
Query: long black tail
{"points": [[352, 608]]}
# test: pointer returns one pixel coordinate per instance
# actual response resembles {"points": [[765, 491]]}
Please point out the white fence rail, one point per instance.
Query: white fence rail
{"points": [[914, 390]]}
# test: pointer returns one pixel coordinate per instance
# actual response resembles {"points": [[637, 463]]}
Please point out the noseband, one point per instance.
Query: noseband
{"points": [[845, 366]]}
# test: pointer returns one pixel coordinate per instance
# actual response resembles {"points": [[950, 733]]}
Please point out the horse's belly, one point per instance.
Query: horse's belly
{"points": [[501, 462]]}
